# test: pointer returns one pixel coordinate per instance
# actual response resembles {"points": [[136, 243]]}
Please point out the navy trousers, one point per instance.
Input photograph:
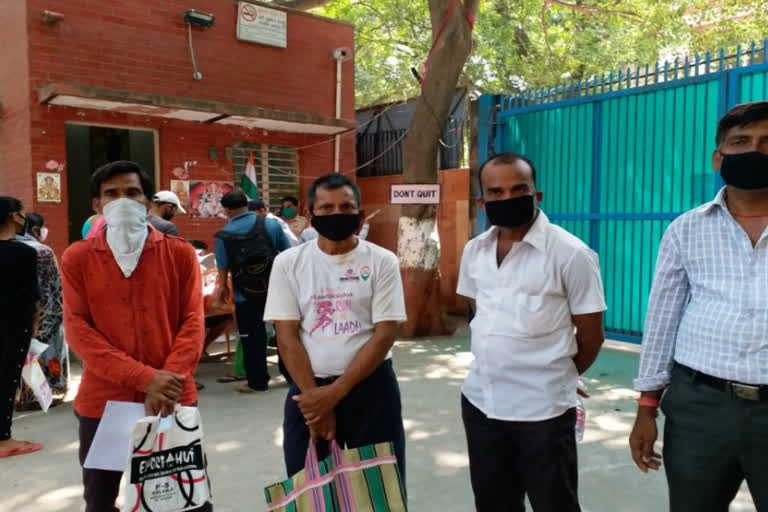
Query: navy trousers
{"points": [[371, 413]]}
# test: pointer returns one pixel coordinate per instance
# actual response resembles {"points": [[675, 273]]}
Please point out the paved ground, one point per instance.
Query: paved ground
{"points": [[244, 439]]}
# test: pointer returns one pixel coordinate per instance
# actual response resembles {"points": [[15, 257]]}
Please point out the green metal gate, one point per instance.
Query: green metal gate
{"points": [[619, 157]]}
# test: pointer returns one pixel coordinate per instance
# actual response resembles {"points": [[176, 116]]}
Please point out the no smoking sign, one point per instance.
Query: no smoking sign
{"points": [[262, 25], [249, 13]]}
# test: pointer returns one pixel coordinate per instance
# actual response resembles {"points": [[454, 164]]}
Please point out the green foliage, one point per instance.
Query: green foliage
{"points": [[523, 44]]}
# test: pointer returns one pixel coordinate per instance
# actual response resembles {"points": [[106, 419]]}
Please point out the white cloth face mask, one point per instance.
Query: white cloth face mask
{"points": [[127, 232]]}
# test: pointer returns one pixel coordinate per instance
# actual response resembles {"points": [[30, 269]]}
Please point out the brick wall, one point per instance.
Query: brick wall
{"points": [[452, 224], [142, 46], [178, 141], [15, 164]]}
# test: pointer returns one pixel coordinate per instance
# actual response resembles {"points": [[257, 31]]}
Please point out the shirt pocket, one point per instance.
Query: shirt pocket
{"points": [[525, 314]]}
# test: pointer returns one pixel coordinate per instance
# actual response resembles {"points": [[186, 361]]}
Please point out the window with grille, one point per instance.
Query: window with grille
{"points": [[277, 170]]}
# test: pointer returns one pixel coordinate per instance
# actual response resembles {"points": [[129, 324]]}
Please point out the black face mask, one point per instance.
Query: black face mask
{"points": [[336, 227], [748, 171], [510, 213]]}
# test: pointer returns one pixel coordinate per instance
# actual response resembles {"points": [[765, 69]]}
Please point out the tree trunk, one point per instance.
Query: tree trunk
{"points": [[418, 247]]}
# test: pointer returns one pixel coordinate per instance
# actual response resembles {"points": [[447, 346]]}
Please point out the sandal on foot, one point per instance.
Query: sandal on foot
{"points": [[24, 449], [231, 378]]}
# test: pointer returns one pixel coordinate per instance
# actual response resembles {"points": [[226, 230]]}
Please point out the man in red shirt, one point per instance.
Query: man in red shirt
{"points": [[133, 312]]}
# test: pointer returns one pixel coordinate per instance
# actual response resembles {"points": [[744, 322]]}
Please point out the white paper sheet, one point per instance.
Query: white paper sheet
{"points": [[111, 448]]}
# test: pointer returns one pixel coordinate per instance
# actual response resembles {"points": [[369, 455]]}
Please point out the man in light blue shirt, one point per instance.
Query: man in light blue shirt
{"points": [[705, 345], [249, 306]]}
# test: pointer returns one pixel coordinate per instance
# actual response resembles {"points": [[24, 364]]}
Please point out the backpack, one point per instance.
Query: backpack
{"points": [[250, 259]]}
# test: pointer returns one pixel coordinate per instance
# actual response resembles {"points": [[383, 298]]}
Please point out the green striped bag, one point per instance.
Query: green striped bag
{"points": [[363, 479]]}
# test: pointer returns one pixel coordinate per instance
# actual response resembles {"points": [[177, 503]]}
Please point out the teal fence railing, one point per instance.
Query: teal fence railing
{"points": [[620, 156]]}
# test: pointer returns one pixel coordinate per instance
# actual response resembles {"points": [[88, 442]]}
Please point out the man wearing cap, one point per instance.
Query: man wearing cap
{"points": [[165, 204]]}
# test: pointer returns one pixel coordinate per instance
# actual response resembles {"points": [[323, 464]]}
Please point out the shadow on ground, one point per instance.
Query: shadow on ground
{"points": [[244, 439]]}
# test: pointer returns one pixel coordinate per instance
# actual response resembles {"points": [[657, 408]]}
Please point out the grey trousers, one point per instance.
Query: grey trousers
{"points": [[713, 441]]}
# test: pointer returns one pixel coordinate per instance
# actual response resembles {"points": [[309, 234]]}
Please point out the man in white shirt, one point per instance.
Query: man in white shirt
{"points": [[336, 302], [538, 300], [258, 206]]}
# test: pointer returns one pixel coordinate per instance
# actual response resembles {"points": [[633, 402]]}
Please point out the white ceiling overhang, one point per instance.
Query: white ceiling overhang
{"points": [[202, 111]]}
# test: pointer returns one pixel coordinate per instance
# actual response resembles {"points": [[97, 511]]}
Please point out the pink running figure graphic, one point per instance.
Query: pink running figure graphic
{"points": [[324, 312]]}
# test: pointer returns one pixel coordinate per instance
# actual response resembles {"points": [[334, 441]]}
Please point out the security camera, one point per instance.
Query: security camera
{"points": [[342, 54]]}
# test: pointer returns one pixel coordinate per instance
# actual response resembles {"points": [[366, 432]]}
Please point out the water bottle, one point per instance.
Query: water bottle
{"points": [[581, 412]]}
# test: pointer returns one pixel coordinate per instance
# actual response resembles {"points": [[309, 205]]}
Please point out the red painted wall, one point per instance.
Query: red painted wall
{"points": [[15, 158], [452, 225], [142, 47], [179, 141]]}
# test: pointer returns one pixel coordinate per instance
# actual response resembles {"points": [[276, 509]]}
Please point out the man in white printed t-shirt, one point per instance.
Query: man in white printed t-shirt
{"points": [[336, 302], [538, 300]]}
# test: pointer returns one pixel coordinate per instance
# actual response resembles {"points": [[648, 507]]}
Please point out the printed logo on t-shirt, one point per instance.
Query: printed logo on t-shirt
{"points": [[333, 314], [365, 273], [350, 276]]}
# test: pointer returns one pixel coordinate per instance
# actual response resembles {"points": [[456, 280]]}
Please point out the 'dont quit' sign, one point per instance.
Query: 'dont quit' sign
{"points": [[411, 193]]}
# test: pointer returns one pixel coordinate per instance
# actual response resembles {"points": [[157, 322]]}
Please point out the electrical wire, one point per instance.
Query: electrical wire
{"points": [[192, 54], [355, 130]]}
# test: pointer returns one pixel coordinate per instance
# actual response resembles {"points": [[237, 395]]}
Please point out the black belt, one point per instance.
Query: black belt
{"points": [[326, 381], [752, 392]]}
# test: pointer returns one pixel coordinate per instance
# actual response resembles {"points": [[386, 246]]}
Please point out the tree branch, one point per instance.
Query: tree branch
{"points": [[472, 84], [545, 29], [591, 10]]}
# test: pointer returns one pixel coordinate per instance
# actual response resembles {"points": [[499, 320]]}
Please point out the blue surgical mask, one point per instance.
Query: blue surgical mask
{"points": [[289, 213]]}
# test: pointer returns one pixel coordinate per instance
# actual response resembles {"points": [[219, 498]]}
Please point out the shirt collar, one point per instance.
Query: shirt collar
{"points": [[536, 236], [100, 240], [242, 215], [719, 200]]}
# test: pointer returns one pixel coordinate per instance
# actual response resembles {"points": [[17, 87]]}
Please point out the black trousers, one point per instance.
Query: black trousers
{"points": [[371, 413], [509, 459], [253, 337], [100, 487], [713, 441], [14, 344]]}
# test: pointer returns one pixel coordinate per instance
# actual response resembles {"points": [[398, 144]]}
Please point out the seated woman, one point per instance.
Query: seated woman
{"points": [[218, 317]]}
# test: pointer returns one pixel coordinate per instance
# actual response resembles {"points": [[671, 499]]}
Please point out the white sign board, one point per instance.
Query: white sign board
{"points": [[257, 24], [409, 193]]}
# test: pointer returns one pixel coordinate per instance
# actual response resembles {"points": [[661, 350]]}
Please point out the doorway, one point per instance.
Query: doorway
{"points": [[88, 148]]}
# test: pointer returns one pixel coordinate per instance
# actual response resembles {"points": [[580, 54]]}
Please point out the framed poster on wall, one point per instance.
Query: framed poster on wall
{"points": [[49, 187], [205, 199]]}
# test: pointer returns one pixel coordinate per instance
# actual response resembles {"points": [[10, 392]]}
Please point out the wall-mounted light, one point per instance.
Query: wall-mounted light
{"points": [[198, 18]]}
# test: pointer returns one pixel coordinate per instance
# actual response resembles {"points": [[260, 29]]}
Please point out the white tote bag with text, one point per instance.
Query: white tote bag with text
{"points": [[167, 469]]}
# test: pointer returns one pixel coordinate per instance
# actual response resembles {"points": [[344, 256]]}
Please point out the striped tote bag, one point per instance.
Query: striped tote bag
{"points": [[364, 479]]}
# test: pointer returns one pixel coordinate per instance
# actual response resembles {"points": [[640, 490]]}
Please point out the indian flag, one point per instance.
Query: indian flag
{"points": [[248, 183]]}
